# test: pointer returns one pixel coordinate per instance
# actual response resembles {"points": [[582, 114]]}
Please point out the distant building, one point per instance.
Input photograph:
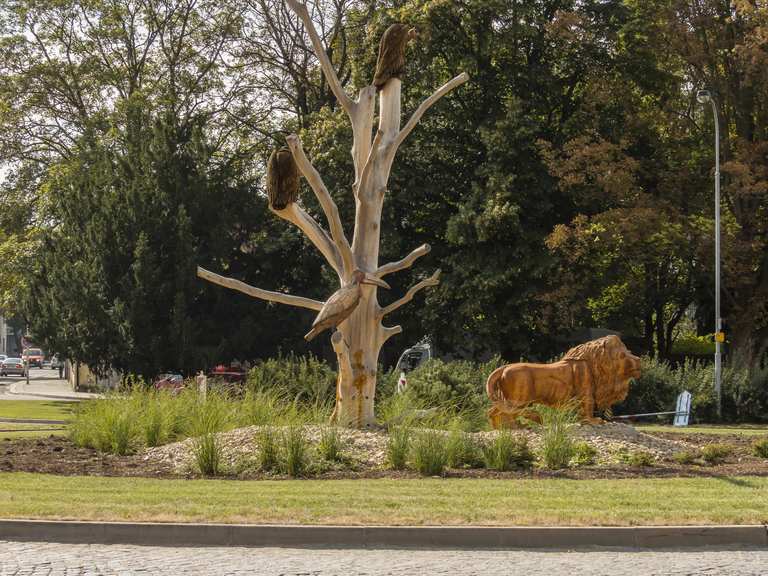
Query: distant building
{"points": [[10, 337]]}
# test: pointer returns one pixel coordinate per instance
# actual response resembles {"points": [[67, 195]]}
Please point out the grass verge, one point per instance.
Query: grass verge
{"points": [[727, 500], [36, 409], [746, 430]]}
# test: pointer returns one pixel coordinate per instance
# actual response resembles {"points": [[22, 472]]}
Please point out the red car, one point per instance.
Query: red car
{"points": [[228, 373], [33, 357]]}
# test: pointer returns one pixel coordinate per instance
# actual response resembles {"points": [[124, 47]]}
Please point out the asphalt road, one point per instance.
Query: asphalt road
{"points": [[60, 559], [36, 375]]}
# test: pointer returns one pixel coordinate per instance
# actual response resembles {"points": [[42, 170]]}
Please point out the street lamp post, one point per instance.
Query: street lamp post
{"points": [[704, 96]]}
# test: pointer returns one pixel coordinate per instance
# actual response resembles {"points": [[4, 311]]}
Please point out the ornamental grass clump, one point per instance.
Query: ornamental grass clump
{"points": [[209, 416], [555, 426], [398, 446], [429, 456], [638, 458], [507, 451], [330, 446], [462, 450], [269, 450], [294, 452], [584, 454], [108, 425], [686, 457], [714, 454], [760, 448]]}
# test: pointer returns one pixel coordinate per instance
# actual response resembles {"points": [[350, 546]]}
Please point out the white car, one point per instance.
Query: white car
{"points": [[12, 366]]}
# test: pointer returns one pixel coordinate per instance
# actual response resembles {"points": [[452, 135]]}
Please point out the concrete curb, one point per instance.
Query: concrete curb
{"points": [[452, 537]]}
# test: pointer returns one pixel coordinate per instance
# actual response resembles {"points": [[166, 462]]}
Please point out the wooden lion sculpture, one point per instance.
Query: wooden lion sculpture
{"points": [[595, 375]]}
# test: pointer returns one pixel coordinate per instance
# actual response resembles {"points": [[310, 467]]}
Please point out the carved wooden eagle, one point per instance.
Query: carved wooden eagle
{"points": [[342, 303], [282, 179], [391, 62]]}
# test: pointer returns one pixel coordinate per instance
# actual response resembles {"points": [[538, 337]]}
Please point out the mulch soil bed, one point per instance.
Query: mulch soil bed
{"points": [[59, 455]]}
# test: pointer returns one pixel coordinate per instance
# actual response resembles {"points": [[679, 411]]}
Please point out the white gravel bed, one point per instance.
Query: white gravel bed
{"points": [[367, 449]]}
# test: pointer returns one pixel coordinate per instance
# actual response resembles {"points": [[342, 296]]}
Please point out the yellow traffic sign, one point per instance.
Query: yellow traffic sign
{"points": [[719, 336]]}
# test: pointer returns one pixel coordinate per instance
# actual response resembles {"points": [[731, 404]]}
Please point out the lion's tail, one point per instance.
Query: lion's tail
{"points": [[491, 387]]}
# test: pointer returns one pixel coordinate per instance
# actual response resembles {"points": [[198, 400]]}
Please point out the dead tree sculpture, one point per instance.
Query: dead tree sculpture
{"points": [[357, 339]]}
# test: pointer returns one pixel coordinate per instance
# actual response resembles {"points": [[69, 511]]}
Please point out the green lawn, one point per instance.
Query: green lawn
{"points": [[744, 430], [396, 502], [33, 409], [42, 409]]}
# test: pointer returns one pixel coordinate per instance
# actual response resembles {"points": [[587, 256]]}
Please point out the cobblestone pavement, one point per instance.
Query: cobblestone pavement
{"points": [[48, 559]]}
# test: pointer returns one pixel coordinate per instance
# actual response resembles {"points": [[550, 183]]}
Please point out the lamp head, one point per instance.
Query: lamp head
{"points": [[703, 96]]}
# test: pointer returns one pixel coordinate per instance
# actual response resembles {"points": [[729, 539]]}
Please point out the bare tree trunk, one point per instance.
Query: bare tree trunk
{"points": [[358, 339]]}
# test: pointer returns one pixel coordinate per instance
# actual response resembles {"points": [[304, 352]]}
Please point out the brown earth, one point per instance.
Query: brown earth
{"points": [[59, 455]]}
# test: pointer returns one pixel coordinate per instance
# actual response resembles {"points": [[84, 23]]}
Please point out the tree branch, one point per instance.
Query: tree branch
{"points": [[330, 74], [329, 206], [312, 230], [386, 332], [258, 292], [439, 93], [433, 280], [406, 262]]}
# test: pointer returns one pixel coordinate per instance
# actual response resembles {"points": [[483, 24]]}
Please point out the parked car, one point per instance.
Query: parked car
{"points": [[12, 366], [2, 357], [33, 357], [172, 382]]}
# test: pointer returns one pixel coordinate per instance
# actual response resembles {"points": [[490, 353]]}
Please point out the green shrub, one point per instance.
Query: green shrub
{"points": [[269, 451], [330, 445], [507, 451], [304, 379], [716, 453], [458, 386], [760, 448], [686, 457], [584, 454], [555, 427], [294, 452], [462, 450], [691, 344], [429, 456], [398, 446], [638, 458]]}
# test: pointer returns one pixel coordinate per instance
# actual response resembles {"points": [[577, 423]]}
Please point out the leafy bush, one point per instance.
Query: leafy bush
{"points": [[507, 451], [694, 345], [294, 452], [637, 458], [584, 454], [745, 391], [304, 379], [398, 446], [760, 448], [716, 453], [269, 451], [330, 446], [686, 457], [429, 456], [457, 385], [556, 424]]}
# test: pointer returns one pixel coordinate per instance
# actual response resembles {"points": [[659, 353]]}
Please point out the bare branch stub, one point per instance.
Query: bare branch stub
{"points": [[406, 262], [258, 292], [433, 280]]}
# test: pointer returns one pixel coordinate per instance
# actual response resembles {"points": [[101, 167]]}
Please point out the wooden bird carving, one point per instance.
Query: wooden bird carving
{"points": [[342, 303], [282, 179], [391, 62]]}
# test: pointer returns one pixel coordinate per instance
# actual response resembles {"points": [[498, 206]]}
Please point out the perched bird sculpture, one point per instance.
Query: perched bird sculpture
{"points": [[342, 303], [391, 62], [282, 179]]}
